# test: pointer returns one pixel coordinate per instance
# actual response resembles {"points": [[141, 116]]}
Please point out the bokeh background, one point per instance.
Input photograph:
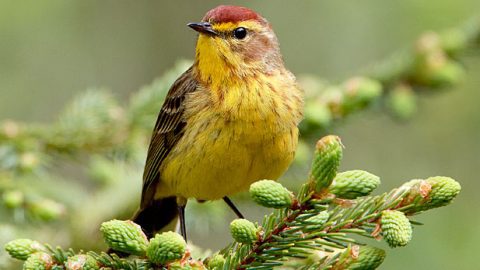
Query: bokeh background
{"points": [[51, 50]]}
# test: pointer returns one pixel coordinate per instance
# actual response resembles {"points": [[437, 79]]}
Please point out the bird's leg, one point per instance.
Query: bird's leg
{"points": [[233, 207], [182, 203]]}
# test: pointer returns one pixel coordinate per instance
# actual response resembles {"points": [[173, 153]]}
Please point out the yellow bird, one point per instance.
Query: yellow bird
{"points": [[229, 120]]}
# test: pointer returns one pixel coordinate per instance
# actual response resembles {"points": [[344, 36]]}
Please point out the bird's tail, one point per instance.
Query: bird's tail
{"points": [[156, 215]]}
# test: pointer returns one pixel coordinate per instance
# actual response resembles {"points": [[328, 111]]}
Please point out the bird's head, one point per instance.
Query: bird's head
{"points": [[236, 39]]}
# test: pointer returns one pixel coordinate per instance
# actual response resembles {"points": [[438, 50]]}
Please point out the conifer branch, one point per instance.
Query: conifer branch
{"points": [[312, 229], [316, 220]]}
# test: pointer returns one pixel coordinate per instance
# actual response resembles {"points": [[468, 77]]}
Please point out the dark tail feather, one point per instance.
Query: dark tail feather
{"points": [[156, 215]]}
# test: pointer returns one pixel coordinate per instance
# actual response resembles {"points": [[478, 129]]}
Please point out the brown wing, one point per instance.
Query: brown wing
{"points": [[167, 132]]}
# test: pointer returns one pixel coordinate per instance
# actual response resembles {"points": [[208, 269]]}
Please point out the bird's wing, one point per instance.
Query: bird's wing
{"points": [[167, 132]]}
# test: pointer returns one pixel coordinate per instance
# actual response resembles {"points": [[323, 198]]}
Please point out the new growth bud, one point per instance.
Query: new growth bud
{"points": [[317, 114], [430, 193], [353, 184], [432, 65], [271, 194], [21, 249], [124, 236], [359, 258], [367, 258], [216, 262], [13, 198], [81, 262], [38, 261], [243, 231], [47, 210], [448, 74], [166, 247], [402, 102], [360, 91], [325, 162], [444, 190], [396, 228]]}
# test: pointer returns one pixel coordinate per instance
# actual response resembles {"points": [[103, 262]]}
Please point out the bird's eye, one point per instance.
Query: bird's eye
{"points": [[240, 33]]}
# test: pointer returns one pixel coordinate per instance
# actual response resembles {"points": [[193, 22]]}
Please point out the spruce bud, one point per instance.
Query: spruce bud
{"points": [[38, 261], [396, 228], [402, 102], [81, 262], [367, 258], [166, 247], [359, 92], [216, 262], [47, 210], [21, 249], [353, 184], [271, 194], [13, 198], [124, 236], [325, 162], [430, 193], [243, 231], [317, 114], [444, 190]]}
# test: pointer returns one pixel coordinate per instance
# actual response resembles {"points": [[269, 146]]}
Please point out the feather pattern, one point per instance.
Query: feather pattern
{"points": [[168, 130]]}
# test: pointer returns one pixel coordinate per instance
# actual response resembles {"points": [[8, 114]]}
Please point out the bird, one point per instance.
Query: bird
{"points": [[229, 120]]}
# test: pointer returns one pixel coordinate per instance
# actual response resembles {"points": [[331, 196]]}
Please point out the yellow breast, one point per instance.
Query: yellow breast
{"points": [[232, 140]]}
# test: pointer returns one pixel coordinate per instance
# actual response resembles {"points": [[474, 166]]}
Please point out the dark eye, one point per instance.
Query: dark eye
{"points": [[240, 33]]}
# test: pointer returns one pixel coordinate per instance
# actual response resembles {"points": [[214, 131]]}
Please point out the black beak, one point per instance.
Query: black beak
{"points": [[203, 27]]}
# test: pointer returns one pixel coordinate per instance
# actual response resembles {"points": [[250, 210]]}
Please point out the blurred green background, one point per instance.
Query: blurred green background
{"points": [[51, 50]]}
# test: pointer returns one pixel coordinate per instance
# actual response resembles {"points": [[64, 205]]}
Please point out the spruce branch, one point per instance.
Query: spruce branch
{"points": [[96, 124], [315, 222], [432, 63], [312, 228]]}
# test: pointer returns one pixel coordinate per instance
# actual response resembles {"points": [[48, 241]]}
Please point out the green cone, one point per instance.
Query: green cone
{"points": [[38, 261], [360, 91], [317, 114], [432, 66], [271, 194], [13, 198], [448, 74], [22, 248], [444, 190], [91, 264], [243, 231], [325, 162], [216, 262], [368, 258], [353, 184], [124, 236], [47, 210], [81, 262], [402, 102], [396, 228], [166, 247], [430, 193]]}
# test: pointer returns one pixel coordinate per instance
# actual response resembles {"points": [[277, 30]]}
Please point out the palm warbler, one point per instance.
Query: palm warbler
{"points": [[229, 120]]}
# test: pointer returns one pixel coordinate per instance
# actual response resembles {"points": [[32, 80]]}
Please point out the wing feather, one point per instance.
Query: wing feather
{"points": [[168, 130]]}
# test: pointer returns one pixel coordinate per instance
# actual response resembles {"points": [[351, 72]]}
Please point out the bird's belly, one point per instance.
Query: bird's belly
{"points": [[215, 160]]}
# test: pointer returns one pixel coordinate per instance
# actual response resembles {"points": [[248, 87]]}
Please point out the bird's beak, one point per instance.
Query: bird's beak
{"points": [[203, 27]]}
